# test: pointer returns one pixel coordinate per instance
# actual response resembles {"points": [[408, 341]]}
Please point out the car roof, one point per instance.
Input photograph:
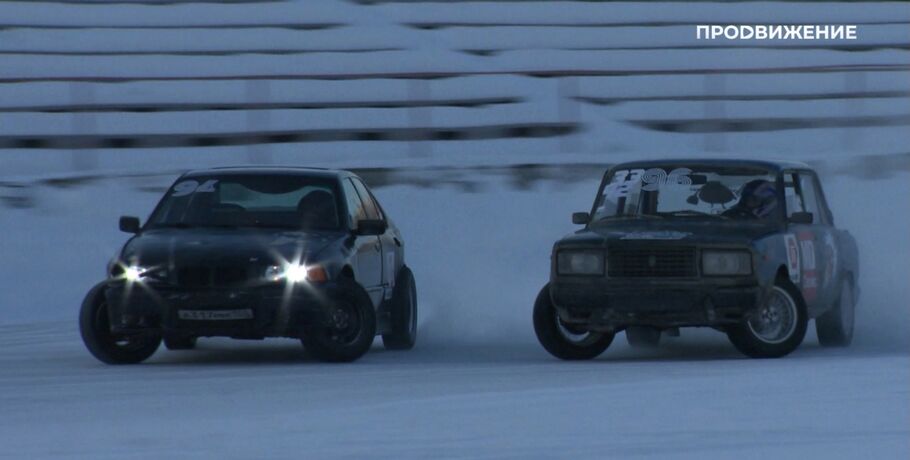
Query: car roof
{"points": [[772, 165], [270, 171]]}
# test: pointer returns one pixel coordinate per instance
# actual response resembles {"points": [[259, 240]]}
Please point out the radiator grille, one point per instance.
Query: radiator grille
{"points": [[652, 262], [211, 276]]}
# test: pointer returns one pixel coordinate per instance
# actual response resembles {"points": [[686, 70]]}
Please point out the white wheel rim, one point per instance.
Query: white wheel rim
{"points": [[583, 339], [777, 318]]}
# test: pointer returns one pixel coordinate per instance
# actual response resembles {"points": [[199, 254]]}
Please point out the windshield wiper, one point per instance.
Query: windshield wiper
{"points": [[692, 212], [174, 225], [183, 225], [281, 226], [628, 217]]}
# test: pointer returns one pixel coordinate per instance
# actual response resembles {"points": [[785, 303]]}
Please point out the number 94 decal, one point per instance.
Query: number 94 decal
{"points": [[188, 187]]}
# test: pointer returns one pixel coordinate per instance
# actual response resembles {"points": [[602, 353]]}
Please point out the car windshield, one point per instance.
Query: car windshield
{"points": [[676, 192], [258, 201]]}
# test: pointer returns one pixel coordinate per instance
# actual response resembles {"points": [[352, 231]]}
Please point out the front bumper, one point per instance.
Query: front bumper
{"points": [[599, 303], [277, 310]]}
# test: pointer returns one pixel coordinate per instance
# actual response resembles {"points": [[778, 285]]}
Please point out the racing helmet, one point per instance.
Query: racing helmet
{"points": [[759, 197]]}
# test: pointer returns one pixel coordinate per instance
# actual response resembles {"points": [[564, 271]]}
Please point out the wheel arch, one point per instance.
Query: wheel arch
{"points": [[348, 272], [783, 276], [99, 290]]}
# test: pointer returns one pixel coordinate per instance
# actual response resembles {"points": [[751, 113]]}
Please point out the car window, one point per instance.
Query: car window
{"points": [[240, 200], [370, 206], [791, 194], [809, 191], [689, 192], [237, 193], [356, 210]]}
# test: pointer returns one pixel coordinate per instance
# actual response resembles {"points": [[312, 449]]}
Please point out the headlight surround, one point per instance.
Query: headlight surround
{"points": [[590, 262], [295, 273], [726, 263]]}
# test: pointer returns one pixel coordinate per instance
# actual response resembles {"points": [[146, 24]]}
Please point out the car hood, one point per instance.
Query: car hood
{"points": [[170, 247], [690, 231]]}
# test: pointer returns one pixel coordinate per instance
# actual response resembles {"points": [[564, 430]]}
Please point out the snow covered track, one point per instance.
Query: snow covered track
{"points": [[695, 399]]}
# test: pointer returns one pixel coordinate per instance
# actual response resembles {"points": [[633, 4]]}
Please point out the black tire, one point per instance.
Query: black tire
{"points": [[835, 327], [643, 337], [350, 325], [403, 310], [94, 326], [555, 337], [179, 342], [777, 329]]}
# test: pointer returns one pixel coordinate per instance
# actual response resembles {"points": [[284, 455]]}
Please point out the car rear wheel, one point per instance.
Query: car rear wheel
{"points": [[110, 348], [403, 335], [349, 325], [565, 341], [777, 329], [643, 337], [835, 327]]}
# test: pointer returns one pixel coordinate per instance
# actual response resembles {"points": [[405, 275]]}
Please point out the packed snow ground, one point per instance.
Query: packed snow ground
{"points": [[506, 399], [477, 385]]}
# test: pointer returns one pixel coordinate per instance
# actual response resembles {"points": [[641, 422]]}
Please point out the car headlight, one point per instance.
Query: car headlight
{"points": [[726, 263], [296, 273], [133, 273], [580, 262]]}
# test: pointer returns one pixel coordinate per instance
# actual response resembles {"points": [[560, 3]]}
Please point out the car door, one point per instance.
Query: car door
{"points": [[391, 243], [826, 246], [367, 248], [805, 237]]}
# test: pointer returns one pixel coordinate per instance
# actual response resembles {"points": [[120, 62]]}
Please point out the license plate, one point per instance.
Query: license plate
{"points": [[215, 315]]}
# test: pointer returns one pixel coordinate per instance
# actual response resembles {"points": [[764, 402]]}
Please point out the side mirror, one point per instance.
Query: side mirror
{"points": [[129, 224], [581, 218], [371, 227], [801, 218]]}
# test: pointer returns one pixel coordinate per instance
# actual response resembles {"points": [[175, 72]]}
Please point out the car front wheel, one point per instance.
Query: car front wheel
{"points": [[565, 341], [777, 329], [348, 328], [110, 348]]}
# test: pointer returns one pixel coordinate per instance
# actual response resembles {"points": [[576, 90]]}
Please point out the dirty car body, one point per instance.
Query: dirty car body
{"points": [[670, 244]]}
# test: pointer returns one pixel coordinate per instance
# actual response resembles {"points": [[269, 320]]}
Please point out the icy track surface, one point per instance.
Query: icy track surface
{"points": [[694, 399], [478, 384]]}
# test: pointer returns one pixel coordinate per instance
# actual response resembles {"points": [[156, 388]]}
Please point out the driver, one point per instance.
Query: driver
{"points": [[757, 199], [317, 210]]}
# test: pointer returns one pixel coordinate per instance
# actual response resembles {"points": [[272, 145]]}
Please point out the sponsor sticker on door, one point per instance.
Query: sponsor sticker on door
{"points": [[792, 249]]}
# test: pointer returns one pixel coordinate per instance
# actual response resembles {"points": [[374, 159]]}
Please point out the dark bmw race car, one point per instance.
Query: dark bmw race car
{"points": [[252, 253], [746, 247]]}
